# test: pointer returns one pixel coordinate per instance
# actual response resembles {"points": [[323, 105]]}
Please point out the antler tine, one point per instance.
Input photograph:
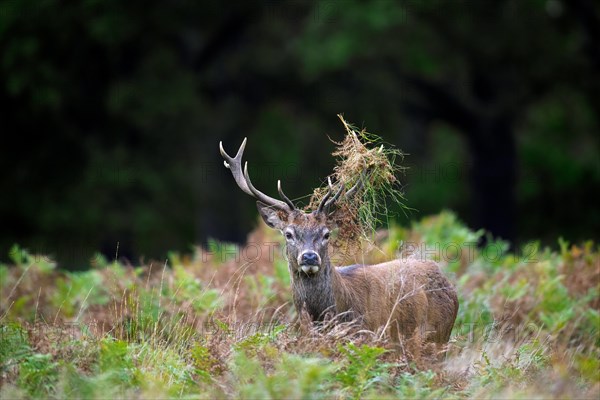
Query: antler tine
{"points": [[284, 197], [324, 199], [235, 165], [238, 156], [357, 186], [335, 198], [351, 192], [243, 180], [263, 197]]}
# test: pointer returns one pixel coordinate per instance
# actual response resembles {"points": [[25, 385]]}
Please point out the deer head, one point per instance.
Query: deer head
{"points": [[306, 233]]}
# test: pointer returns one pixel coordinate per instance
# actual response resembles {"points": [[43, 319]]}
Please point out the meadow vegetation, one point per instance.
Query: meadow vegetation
{"points": [[219, 322]]}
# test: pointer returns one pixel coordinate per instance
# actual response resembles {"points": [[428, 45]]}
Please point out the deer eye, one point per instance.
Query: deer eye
{"points": [[326, 236], [289, 235]]}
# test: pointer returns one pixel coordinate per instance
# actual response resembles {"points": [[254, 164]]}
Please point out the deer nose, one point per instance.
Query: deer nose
{"points": [[310, 258]]}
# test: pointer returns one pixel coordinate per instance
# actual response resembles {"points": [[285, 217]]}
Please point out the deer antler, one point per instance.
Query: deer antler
{"points": [[243, 180], [327, 202]]}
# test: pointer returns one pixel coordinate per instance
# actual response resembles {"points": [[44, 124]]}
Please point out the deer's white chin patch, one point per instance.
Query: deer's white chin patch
{"points": [[309, 269]]}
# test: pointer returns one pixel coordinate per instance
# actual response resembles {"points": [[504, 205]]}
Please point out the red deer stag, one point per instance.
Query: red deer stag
{"points": [[398, 296]]}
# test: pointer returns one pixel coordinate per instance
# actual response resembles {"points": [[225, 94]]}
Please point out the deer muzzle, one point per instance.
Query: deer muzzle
{"points": [[309, 262]]}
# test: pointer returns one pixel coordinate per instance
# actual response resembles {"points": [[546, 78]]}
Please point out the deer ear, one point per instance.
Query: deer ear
{"points": [[271, 216]]}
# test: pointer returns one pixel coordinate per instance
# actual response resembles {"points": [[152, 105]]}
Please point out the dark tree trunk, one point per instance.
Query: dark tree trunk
{"points": [[493, 176]]}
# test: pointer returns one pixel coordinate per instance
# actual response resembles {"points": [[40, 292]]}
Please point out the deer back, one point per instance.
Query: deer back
{"points": [[400, 296]]}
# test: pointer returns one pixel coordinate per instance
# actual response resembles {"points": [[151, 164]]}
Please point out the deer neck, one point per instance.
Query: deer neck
{"points": [[316, 293]]}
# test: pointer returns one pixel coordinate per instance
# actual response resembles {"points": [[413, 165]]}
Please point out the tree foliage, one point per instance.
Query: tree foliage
{"points": [[112, 111]]}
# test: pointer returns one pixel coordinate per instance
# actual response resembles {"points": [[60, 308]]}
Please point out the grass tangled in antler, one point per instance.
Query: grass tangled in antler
{"points": [[362, 155]]}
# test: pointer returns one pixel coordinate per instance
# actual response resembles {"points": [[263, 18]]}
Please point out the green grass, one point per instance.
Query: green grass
{"points": [[206, 326]]}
